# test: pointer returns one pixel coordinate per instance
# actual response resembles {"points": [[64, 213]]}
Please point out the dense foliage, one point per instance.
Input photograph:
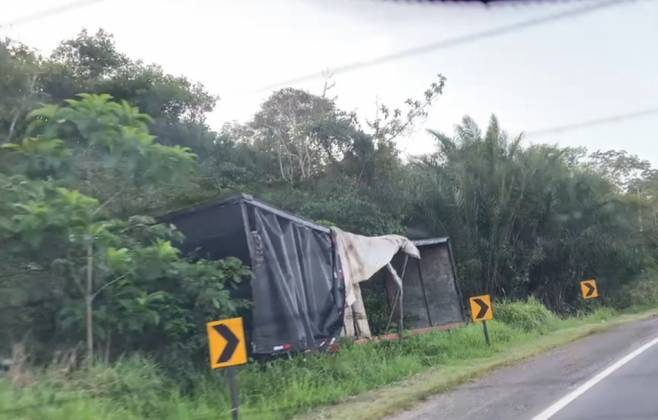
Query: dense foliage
{"points": [[94, 145], [74, 246]]}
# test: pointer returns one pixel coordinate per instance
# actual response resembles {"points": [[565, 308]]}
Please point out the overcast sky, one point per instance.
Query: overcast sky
{"points": [[568, 71]]}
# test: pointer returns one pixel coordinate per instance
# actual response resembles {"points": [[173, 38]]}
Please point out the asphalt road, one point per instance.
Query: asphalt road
{"points": [[575, 374], [631, 392]]}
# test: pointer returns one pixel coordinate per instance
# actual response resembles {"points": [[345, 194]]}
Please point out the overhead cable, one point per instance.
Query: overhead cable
{"points": [[48, 12], [592, 122], [448, 43]]}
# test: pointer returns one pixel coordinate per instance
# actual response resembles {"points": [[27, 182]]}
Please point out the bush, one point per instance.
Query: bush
{"points": [[127, 376], [642, 291], [602, 313], [134, 382], [530, 315]]}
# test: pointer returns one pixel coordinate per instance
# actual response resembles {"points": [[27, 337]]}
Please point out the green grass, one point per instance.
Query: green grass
{"points": [[529, 315], [403, 394], [384, 376]]}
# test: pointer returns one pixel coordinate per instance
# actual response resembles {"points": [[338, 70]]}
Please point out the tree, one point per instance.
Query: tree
{"points": [[92, 64], [19, 91], [525, 219], [391, 123], [303, 132], [87, 139], [620, 167], [487, 189]]}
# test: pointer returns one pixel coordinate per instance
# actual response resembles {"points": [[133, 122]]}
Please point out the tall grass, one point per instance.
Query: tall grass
{"points": [[529, 315], [135, 388]]}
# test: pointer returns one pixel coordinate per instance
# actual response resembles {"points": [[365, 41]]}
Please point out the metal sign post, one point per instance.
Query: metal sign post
{"points": [[226, 342], [233, 387], [486, 333]]}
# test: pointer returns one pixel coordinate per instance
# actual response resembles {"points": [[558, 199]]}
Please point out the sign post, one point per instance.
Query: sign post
{"points": [[233, 387], [486, 333], [226, 343], [588, 289], [481, 310]]}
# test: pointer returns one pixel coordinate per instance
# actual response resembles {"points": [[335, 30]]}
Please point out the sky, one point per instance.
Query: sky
{"points": [[563, 72]]}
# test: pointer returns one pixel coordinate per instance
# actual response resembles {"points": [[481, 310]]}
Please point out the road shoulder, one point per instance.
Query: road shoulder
{"points": [[405, 394]]}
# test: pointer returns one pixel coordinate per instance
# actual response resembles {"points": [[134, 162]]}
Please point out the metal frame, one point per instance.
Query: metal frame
{"points": [[247, 231], [286, 215], [404, 273], [431, 241], [241, 198], [422, 287], [420, 244], [400, 299], [454, 275]]}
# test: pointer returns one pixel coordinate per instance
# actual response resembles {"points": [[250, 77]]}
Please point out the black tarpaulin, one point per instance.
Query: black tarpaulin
{"points": [[294, 284], [297, 297]]}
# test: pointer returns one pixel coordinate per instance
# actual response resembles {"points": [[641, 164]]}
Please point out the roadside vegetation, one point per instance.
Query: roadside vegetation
{"points": [[134, 387], [102, 316]]}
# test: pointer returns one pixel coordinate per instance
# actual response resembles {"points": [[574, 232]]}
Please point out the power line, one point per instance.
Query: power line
{"points": [[49, 12], [424, 49], [593, 122], [449, 42]]}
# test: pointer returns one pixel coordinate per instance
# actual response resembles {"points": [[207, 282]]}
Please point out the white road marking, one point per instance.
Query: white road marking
{"points": [[564, 401]]}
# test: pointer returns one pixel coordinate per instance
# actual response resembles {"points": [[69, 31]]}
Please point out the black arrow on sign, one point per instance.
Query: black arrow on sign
{"points": [[483, 308], [231, 342], [590, 289]]}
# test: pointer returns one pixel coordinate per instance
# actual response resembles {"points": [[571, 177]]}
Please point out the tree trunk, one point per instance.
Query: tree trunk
{"points": [[12, 126], [89, 298], [108, 346], [19, 109]]}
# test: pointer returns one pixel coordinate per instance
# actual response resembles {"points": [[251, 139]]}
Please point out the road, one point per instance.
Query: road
{"points": [[612, 375], [631, 392]]}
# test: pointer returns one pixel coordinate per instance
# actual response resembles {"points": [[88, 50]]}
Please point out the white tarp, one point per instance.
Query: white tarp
{"points": [[362, 256]]}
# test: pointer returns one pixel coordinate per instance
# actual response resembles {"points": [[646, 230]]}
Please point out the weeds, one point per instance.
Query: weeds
{"points": [[135, 387], [530, 315]]}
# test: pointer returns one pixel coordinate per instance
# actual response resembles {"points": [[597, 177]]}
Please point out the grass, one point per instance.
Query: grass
{"points": [[369, 380], [403, 394]]}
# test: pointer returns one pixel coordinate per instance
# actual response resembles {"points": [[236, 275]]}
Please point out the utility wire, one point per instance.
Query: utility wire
{"points": [[49, 12], [449, 42], [423, 49], [592, 122]]}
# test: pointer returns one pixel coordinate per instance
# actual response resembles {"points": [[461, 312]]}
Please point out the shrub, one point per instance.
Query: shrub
{"points": [[530, 315], [602, 313], [134, 382], [642, 291]]}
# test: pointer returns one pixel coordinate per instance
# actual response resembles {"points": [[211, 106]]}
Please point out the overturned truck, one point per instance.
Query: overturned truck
{"points": [[305, 284]]}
